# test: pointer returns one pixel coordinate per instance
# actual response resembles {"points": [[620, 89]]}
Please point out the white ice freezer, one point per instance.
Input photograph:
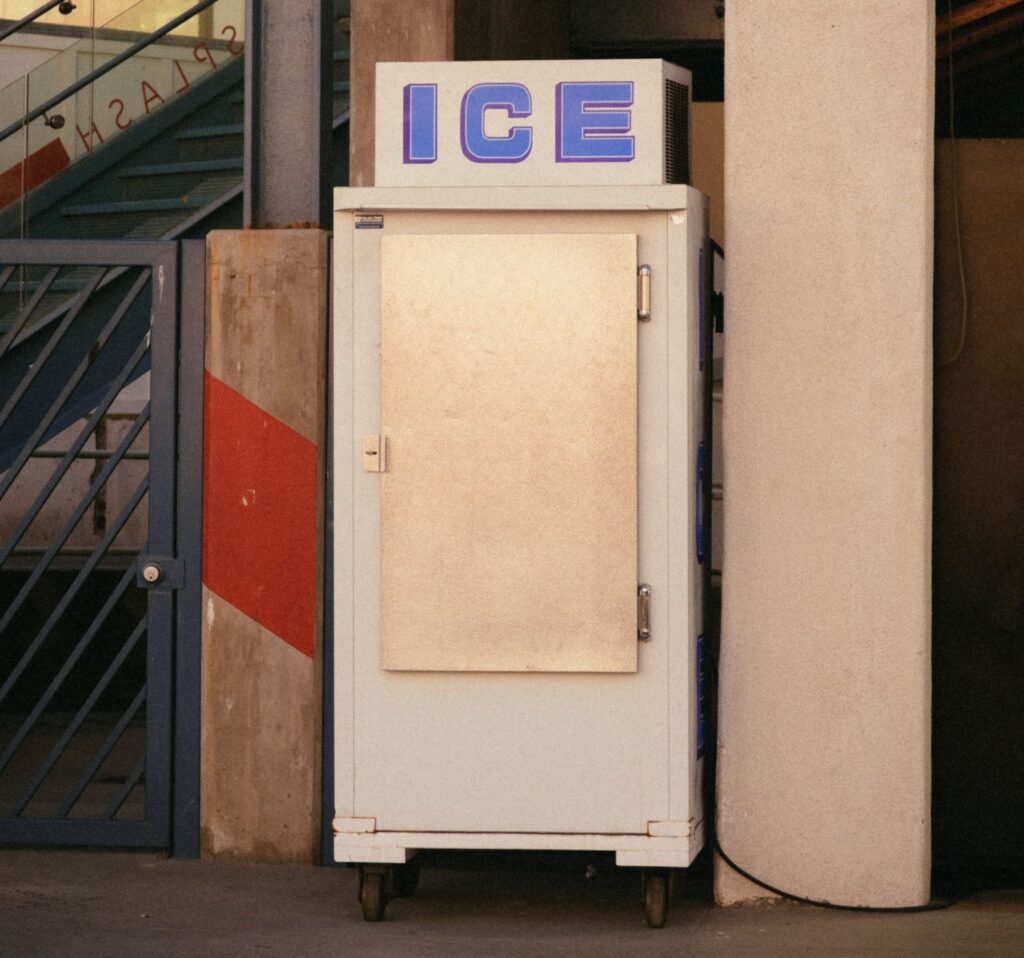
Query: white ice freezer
{"points": [[519, 403]]}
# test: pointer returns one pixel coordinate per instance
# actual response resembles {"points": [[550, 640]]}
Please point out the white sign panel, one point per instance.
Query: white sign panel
{"points": [[532, 123]]}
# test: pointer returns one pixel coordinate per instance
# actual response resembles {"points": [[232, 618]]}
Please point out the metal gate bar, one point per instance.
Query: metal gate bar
{"points": [[69, 456], [70, 640], [51, 414], [48, 350], [69, 527], [76, 722], [75, 654]]}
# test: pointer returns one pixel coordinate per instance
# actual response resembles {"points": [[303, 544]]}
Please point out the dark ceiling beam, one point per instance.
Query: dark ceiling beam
{"points": [[978, 62], [1010, 22], [971, 13]]}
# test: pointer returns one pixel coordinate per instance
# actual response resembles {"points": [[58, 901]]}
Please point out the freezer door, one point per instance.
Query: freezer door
{"points": [[508, 515]]}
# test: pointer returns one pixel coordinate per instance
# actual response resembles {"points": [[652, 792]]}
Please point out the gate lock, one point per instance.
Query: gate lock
{"points": [[160, 573]]}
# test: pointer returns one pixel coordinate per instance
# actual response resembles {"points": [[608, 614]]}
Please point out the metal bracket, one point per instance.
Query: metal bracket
{"points": [[374, 453], [643, 613], [160, 573], [353, 826], [643, 294]]}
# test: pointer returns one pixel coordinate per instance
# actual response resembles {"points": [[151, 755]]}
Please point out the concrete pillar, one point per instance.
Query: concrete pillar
{"points": [[262, 544], [824, 756], [287, 113], [390, 30]]}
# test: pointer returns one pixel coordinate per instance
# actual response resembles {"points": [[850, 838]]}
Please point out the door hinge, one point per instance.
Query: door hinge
{"points": [[643, 613], [374, 449], [643, 293]]}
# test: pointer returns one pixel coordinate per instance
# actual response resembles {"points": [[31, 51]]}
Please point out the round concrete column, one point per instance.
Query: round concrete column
{"points": [[824, 761]]}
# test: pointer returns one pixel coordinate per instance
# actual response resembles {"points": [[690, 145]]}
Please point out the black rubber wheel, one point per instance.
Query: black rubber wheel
{"points": [[373, 895], [656, 893], [405, 878]]}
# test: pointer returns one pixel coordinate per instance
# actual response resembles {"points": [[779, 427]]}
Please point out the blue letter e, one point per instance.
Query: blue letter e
{"points": [[590, 119], [514, 99]]}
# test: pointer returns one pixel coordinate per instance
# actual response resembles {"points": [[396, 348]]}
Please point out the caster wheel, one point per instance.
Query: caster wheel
{"points": [[655, 887], [373, 895], [405, 878]]}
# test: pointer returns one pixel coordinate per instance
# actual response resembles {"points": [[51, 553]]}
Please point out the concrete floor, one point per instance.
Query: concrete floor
{"points": [[141, 905]]}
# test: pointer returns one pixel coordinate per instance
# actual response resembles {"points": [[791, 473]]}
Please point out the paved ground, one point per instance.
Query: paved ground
{"points": [[98, 904]]}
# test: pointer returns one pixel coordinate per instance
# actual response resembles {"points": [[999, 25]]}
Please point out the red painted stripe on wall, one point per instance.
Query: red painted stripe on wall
{"points": [[37, 168], [259, 515]]}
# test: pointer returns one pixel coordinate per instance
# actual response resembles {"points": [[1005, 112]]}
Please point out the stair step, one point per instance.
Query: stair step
{"points": [[209, 132], [341, 86], [340, 55], [194, 166], [137, 206]]}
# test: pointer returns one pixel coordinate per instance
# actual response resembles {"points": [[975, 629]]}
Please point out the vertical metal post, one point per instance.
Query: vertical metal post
{"points": [[160, 603], [286, 171], [188, 657]]}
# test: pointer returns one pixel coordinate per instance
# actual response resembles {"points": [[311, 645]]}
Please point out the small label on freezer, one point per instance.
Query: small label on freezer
{"points": [[369, 221]]}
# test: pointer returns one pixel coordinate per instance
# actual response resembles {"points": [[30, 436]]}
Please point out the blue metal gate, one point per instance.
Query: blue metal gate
{"points": [[100, 364]]}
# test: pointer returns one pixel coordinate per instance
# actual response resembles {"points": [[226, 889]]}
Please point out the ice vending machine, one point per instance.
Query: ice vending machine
{"points": [[519, 408]]}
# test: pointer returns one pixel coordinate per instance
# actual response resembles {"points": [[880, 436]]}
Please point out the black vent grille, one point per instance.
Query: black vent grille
{"points": [[677, 132]]}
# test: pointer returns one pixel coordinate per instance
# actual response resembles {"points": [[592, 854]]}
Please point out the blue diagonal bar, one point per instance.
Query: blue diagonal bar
{"points": [[55, 407], [24, 315], [54, 341], [126, 790], [101, 756], [66, 600], [72, 522], [76, 723]]}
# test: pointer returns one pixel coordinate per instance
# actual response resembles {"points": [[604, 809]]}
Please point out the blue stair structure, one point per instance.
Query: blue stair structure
{"points": [[175, 174]]}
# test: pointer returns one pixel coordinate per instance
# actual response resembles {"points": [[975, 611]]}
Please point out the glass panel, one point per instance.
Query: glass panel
{"points": [[177, 64], [14, 171]]}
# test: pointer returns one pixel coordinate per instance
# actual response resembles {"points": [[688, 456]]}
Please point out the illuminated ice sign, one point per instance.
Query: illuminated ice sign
{"points": [[529, 123]]}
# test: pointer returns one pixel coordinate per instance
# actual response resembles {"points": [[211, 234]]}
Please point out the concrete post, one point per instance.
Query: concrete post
{"points": [[265, 411], [824, 761], [382, 30], [287, 113]]}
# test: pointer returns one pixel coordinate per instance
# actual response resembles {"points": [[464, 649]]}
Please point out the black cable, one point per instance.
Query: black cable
{"points": [[711, 816], [939, 905]]}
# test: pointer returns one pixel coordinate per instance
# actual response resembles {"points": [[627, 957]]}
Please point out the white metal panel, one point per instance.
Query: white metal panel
{"points": [[540, 199], [529, 754], [632, 850]]}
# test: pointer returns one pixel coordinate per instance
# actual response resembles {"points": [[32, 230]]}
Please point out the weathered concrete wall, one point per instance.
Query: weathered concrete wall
{"points": [[262, 544], [824, 754], [382, 30], [979, 506]]}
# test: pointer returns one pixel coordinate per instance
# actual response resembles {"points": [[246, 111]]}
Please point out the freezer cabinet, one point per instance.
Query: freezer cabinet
{"points": [[518, 383]]}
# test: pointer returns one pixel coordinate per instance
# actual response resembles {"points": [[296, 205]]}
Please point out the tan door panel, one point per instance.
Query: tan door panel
{"points": [[508, 411]]}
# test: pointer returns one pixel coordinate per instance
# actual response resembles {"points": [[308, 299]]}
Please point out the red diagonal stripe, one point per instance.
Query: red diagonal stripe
{"points": [[259, 515]]}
